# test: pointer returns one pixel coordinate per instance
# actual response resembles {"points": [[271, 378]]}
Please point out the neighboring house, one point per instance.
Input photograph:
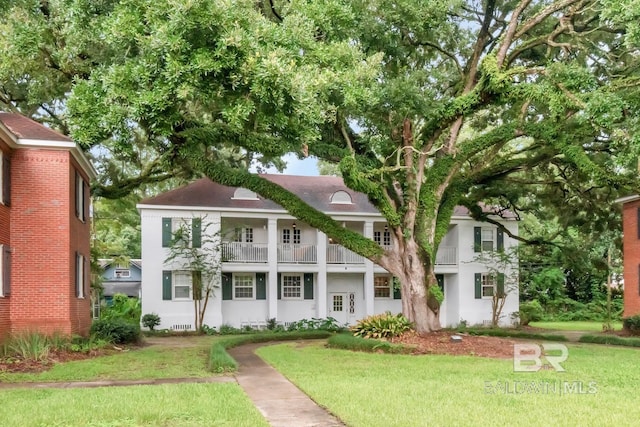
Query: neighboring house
{"points": [[631, 253], [44, 230], [120, 277], [275, 266]]}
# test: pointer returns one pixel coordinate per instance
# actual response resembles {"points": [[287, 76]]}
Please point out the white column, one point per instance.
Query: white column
{"points": [[272, 262], [368, 275], [213, 316], [321, 297]]}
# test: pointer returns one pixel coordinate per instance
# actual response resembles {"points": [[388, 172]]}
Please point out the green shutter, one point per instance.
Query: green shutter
{"points": [[501, 285], [308, 285], [477, 239], [227, 288], [166, 232], [166, 285], [500, 240], [261, 286], [440, 280], [279, 286], [196, 284], [397, 294], [196, 232], [478, 285]]}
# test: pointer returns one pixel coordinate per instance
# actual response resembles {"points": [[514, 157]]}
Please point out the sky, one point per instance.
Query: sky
{"points": [[295, 166]]}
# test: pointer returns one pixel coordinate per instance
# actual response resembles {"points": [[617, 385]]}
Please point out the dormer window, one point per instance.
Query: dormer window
{"points": [[244, 194], [341, 198]]}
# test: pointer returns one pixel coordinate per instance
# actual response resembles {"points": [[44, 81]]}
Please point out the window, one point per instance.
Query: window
{"points": [[182, 284], [381, 287], [291, 287], [5, 270], [243, 235], [183, 231], [487, 239], [80, 275], [488, 285], [381, 238], [341, 198], [80, 197], [242, 286], [180, 230], [286, 236], [121, 273], [244, 194]]}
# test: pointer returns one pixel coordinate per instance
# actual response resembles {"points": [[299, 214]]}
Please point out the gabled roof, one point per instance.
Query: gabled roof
{"points": [[105, 263], [317, 191], [24, 128]]}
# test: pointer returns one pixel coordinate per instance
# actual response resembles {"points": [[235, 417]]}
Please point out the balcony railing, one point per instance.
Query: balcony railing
{"points": [[447, 255], [337, 254], [297, 254], [244, 252]]}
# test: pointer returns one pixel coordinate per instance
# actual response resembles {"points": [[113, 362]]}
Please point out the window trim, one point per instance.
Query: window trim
{"points": [[174, 285], [484, 230], [5, 270], [387, 286], [234, 286], [300, 286], [493, 285], [80, 276], [80, 197]]}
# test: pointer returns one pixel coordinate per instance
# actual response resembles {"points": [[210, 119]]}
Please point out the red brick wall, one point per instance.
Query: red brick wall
{"points": [[4, 240], [45, 235], [631, 251]]}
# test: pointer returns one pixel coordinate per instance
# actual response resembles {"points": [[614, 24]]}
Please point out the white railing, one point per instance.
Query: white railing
{"points": [[244, 252], [297, 254], [337, 254], [447, 255]]}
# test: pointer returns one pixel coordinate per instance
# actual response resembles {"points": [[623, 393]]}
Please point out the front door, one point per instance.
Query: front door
{"points": [[338, 307]]}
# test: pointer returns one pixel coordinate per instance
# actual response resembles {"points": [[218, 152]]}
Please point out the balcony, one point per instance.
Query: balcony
{"points": [[244, 252], [447, 255], [297, 254], [337, 254]]}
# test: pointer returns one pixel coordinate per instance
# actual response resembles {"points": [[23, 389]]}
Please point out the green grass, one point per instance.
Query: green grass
{"points": [[365, 389], [144, 363], [575, 326], [165, 405]]}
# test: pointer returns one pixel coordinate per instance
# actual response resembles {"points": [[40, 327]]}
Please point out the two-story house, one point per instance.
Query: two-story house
{"points": [[275, 266], [631, 253], [44, 230], [121, 277]]}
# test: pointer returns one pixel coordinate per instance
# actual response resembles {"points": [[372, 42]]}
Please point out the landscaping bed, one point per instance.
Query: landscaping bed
{"points": [[470, 345]]}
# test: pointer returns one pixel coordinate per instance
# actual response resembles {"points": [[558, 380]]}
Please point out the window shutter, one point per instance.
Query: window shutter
{"points": [[196, 284], [196, 232], [6, 180], [85, 200], [501, 285], [87, 277], [6, 271], [500, 240], [478, 286], [166, 232], [440, 280], [279, 286], [261, 286], [77, 192], [477, 239], [166, 285], [227, 288], [308, 285], [397, 294]]}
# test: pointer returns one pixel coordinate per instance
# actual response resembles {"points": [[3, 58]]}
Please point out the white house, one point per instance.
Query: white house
{"points": [[275, 266]]}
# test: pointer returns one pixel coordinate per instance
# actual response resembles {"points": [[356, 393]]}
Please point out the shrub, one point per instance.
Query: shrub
{"points": [[316, 324], [30, 346], [227, 329], [124, 308], [150, 320], [496, 332], [632, 324], [117, 331], [611, 340], [530, 311], [350, 342], [384, 325]]}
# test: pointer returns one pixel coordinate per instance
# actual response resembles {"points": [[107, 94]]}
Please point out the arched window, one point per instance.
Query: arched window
{"points": [[244, 194], [341, 198]]}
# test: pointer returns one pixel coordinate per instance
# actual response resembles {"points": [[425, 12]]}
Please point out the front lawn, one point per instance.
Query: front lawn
{"points": [[398, 390], [575, 326], [161, 405]]}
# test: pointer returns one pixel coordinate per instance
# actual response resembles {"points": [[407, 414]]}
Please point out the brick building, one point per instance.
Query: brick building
{"points": [[44, 230], [631, 253]]}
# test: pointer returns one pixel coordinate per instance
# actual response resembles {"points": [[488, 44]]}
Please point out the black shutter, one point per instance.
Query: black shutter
{"points": [[308, 285], [478, 287], [279, 286], [477, 239], [6, 179], [196, 232], [261, 286], [6, 270], [500, 240], [166, 232], [166, 285], [501, 285], [227, 287], [397, 294], [77, 193]]}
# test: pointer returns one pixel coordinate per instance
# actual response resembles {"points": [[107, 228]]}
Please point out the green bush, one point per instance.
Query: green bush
{"points": [[494, 332], [385, 325], [329, 324], [354, 343], [632, 324], [30, 346], [123, 307], [611, 340], [150, 320], [530, 311], [117, 331]]}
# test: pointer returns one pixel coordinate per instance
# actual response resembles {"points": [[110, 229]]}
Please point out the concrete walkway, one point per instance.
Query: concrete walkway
{"points": [[279, 401]]}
